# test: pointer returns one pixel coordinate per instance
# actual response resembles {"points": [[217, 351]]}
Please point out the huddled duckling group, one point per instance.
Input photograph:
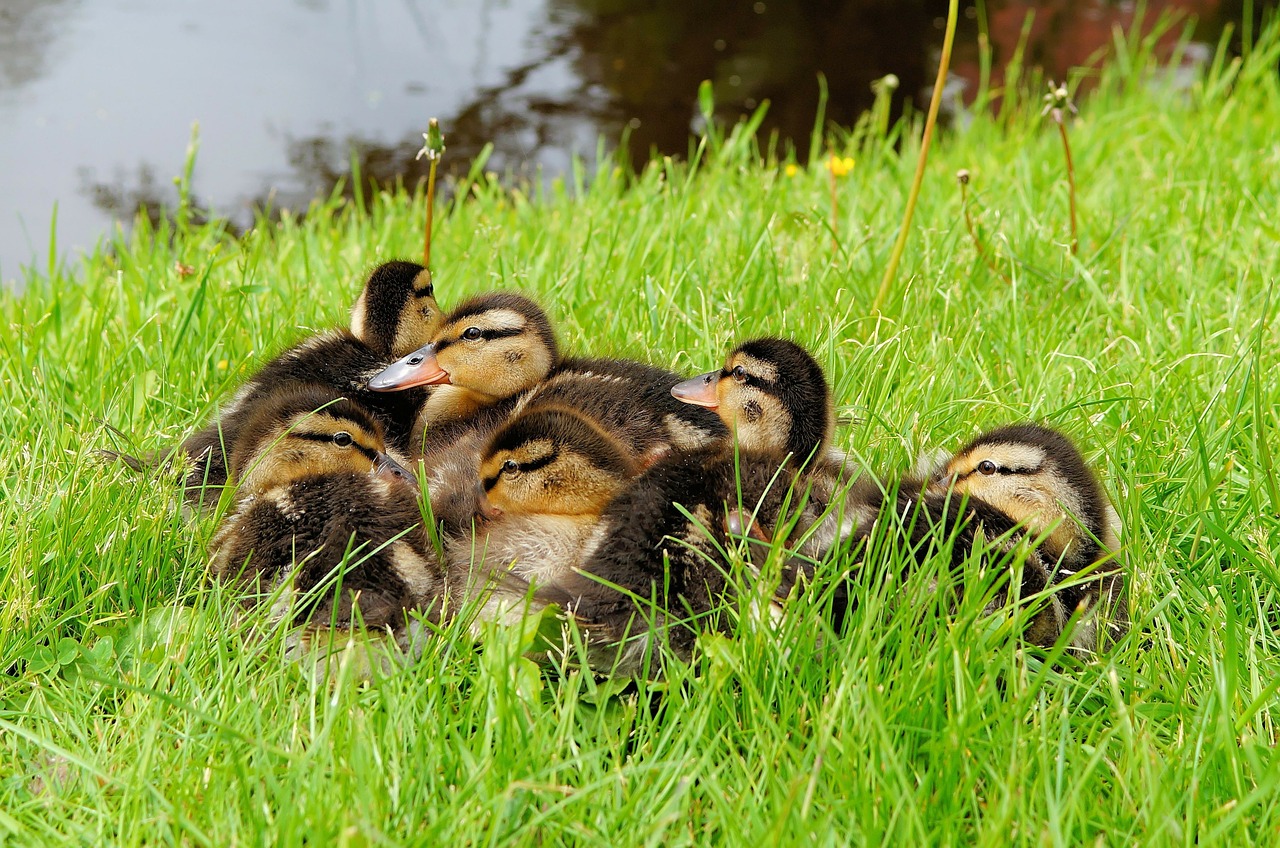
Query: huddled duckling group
{"points": [[611, 488]]}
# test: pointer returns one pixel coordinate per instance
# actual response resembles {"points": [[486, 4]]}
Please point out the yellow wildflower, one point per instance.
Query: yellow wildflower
{"points": [[792, 169], [222, 365], [840, 165]]}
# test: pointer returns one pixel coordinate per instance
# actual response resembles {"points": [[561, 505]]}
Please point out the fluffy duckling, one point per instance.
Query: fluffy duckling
{"points": [[497, 354], [664, 538], [395, 314], [1034, 479], [772, 394], [319, 494], [544, 479], [1025, 486]]}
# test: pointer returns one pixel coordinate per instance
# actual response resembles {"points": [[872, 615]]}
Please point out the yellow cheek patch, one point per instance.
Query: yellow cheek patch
{"points": [[358, 317], [759, 421]]}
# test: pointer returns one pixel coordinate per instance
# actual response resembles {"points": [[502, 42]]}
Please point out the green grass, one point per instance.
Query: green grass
{"points": [[135, 707]]}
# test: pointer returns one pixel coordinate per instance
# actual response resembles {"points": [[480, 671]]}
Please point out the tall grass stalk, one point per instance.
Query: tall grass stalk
{"points": [[944, 64]]}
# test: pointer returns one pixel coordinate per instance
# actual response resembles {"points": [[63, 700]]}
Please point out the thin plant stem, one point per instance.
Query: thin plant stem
{"points": [[431, 207], [1071, 179], [963, 179], [934, 103], [433, 148], [835, 206], [1056, 103]]}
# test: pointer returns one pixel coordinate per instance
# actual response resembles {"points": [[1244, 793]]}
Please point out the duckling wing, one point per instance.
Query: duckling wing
{"points": [[632, 401], [648, 543], [929, 522], [654, 566]]}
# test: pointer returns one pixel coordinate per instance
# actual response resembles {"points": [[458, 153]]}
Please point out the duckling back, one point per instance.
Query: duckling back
{"points": [[321, 532], [661, 554], [632, 401]]}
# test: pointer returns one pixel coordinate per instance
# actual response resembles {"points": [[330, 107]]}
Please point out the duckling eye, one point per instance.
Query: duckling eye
{"points": [[342, 439], [986, 467], [471, 333], [739, 374], [510, 466]]}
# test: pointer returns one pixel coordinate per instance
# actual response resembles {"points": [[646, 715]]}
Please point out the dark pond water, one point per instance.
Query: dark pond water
{"points": [[97, 97]]}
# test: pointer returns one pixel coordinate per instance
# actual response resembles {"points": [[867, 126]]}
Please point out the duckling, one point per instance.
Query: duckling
{"points": [[497, 354], [395, 313], [664, 538], [319, 492], [1020, 486], [482, 356], [772, 394], [544, 479], [1032, 481], [774, 398]]}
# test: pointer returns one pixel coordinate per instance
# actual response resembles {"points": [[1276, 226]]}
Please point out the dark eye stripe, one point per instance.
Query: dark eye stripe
{"points": [[484, 334], [749, 379], [531, 465], [540, 462], [1002, 471], [312, 437], [500, 334], [328, 437], [429, 291]]}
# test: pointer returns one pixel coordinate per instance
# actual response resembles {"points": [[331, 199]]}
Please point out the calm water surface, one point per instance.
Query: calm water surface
{"points": [[98, 97]]}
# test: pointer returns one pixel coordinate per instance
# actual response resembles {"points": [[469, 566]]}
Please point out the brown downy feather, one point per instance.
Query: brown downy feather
{"points": [[663, 540], [395, 313], [321, 505]]}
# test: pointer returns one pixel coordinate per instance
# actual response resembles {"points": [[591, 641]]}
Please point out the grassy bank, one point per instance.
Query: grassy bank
{"points": [[131, 710]]}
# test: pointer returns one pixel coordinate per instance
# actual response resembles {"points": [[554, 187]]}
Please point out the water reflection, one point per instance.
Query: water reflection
{"points": [[27, 29], [97, 96]]}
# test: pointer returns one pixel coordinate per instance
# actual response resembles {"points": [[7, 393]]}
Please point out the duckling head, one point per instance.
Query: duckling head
{"points": [[396, 312], [552, 461], [493, 346], [1037, 477], [771, 393], [308, 432]]}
